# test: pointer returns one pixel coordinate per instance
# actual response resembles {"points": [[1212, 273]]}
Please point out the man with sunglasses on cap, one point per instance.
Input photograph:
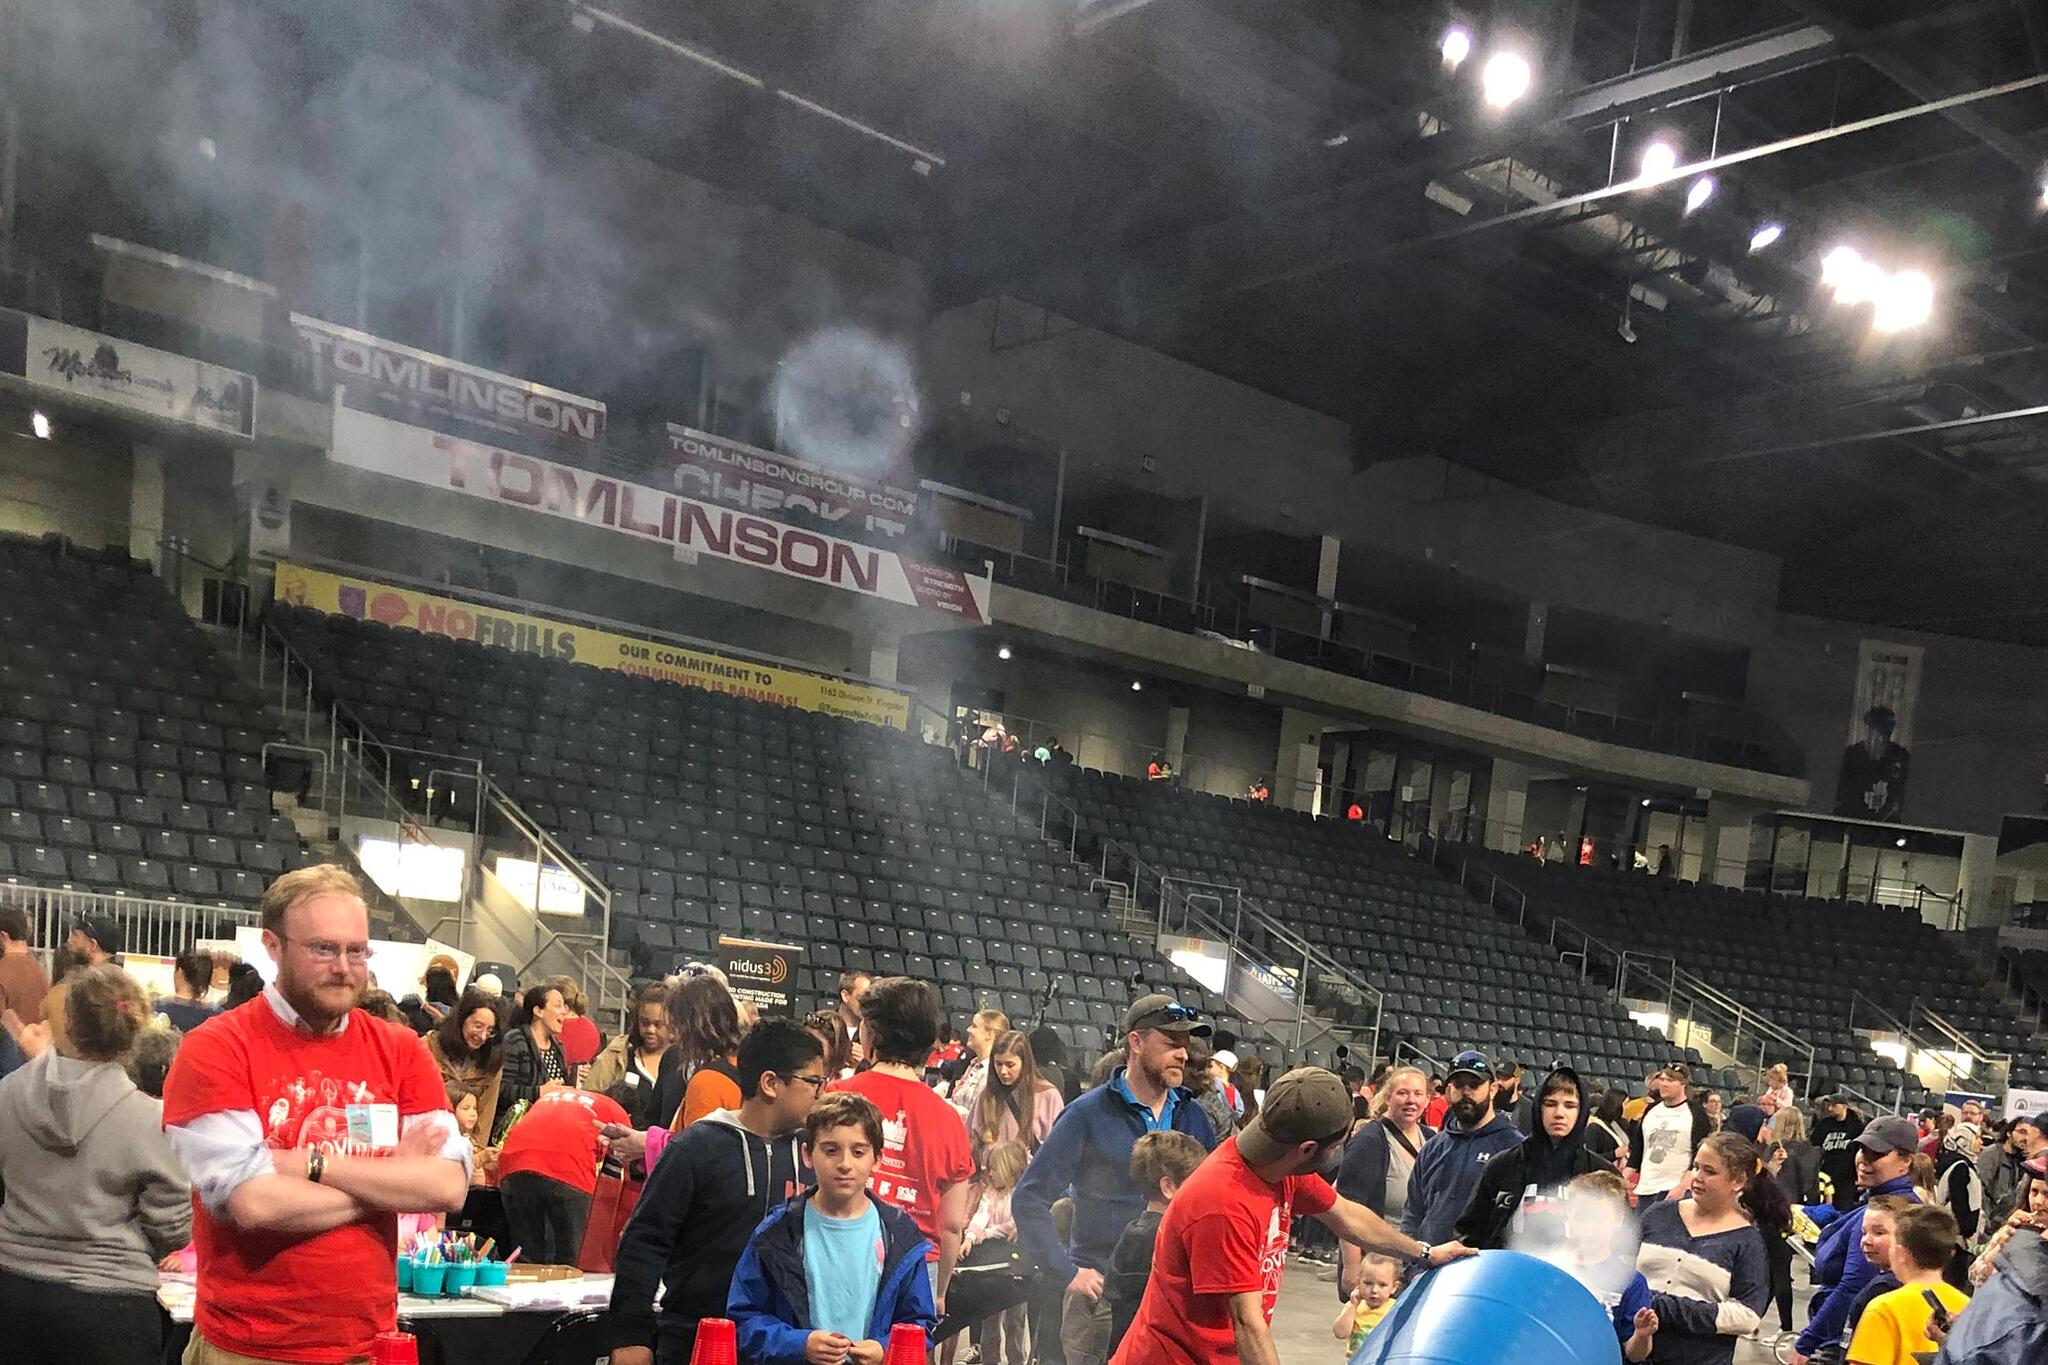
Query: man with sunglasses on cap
{"points": [[1222, 1245], [1088, 1155], [1448, 1167], [1669, 1132]]}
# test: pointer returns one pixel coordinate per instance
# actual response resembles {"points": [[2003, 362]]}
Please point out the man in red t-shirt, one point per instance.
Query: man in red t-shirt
{"points": [[927, 1159], [1223, 1243], [547, 1171], [307, 1126]]}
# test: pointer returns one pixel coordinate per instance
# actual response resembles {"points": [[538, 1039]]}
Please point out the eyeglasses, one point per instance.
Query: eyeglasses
{"points": [[328, 951], [816, 1083]]}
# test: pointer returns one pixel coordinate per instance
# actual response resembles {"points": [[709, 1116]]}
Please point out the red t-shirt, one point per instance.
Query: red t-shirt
{"points": [[925, 1150], [1224, 1233], [1433, 1112], [315, 1300], [558, 1138]]}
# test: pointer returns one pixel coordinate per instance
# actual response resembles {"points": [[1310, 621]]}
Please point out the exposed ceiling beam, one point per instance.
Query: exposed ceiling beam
{"points": [[1739, 63]]}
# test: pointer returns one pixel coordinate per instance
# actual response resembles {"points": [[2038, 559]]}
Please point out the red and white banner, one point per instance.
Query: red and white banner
{"points": [[366, 441], [416, 383], [714, 469]]}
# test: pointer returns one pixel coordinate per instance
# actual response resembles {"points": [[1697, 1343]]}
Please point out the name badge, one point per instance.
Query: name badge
{"points": [[632, 1078], [373, 1125]]}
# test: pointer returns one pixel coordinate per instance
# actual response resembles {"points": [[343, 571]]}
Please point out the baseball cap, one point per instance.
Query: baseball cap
{"points": [[104, 930], [1164, 1012], [1470, 1062], [1892, 1133], [1227, 1057], [2037, 1168], [1308, 1104]]}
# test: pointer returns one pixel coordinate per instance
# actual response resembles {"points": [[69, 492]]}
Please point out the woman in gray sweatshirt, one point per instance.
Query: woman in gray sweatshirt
{"points": [[95, 1196]]}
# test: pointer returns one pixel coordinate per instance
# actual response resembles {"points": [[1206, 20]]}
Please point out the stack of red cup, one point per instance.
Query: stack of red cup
{"points": [[717, 1343], [395, 1348]]}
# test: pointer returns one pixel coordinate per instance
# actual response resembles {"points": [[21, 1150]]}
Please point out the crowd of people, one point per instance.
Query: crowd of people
{"points": [[822, 1180]]}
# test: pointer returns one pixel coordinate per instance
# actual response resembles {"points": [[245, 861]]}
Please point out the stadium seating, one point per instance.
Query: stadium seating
{"points": [[1797, 961], [130, 755], [1453, 976], [709, 814]]}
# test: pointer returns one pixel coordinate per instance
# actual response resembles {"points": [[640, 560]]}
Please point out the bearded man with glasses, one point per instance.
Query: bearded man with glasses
{"points": [[307, 1126]]}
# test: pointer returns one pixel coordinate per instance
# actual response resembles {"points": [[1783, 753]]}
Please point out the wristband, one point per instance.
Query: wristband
{"points": [[316, 1165]]}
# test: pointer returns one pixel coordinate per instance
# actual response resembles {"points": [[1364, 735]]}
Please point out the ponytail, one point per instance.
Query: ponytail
{"points": [[1761, 1198]]}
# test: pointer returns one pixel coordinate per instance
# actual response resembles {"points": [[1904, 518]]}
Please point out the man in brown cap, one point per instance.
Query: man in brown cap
{"points": [[1223, 1243]]}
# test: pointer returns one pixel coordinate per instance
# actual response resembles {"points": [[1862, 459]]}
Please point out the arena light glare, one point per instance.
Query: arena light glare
{"points": [[1660, 159], [1766, 236], [1697, 195], [1505, 78], [1853, 279], [1003, 653], [1137, 686], [1904, 300], [39, 423], [1456, 45]]}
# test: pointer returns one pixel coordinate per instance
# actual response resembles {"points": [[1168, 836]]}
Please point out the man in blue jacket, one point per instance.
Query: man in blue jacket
{"points": [[1088, 1155], [1884, 1165], [1448, 1167]]}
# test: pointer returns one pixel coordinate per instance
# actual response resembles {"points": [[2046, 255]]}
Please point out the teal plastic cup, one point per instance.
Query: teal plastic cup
{"points": [[427, 1280], [461, 1278], [405, 1274], [490, 1273]]}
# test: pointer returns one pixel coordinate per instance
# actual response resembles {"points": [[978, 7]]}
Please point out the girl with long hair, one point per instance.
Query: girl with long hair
{"points": [[1704, 1255], [1017, 1104], [706, 1023]]}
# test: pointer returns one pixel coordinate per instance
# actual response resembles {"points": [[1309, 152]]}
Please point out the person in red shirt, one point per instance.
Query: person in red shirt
{"points": [[927, 1159], [1438, 1106], [581, 1039], [1222, 1246], [547, 1171], [307, 1126]]}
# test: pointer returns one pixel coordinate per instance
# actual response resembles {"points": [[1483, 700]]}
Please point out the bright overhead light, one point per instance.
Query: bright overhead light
{"points": [[1904, 300], [1137, 686], [1902, 843], [1505, 78], [1646, 800], [1456, 45], [1699, 193], [1336, 139], [39, 423], [1660, 159], [1765, 235], [1003, 653], [1853, 279]]}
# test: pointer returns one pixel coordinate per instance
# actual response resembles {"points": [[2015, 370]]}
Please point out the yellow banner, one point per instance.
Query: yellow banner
{"points": [[368, 600]]}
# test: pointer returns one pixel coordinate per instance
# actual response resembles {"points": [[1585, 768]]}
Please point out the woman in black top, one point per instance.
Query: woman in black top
{"points": [[1607, 1134], [533, 1051]]}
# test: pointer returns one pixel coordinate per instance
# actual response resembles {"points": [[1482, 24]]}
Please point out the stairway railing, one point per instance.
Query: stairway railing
{"points": [[1755, 1042]]}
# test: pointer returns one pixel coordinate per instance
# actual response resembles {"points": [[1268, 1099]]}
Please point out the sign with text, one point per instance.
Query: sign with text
{"points": [[416, 383], [685, 525], [715, 470], [366, 599], [142, 379], [761, 974]]}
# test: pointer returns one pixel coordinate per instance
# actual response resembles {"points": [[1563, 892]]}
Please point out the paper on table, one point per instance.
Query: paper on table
{"points": [[549, 1294]]}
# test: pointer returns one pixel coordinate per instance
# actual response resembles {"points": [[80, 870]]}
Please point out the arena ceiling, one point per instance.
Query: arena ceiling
{"points": [[1297, 194]]}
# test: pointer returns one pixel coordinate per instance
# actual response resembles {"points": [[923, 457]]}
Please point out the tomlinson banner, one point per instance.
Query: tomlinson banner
{"points": [[382, 446], [761, 974], [366, 599], [416, 383], [140, 378], [720, 471]]}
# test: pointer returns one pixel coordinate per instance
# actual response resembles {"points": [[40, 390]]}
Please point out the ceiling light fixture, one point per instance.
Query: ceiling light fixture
{"points": [[1456, 45], [1765, 235], [1505, 79], [1902, 843], [1003, 653], [1336, 139], [39, 423], [1904, 300], [1699, 193], [1853, 279], [1137, 686], [1660, 159]]}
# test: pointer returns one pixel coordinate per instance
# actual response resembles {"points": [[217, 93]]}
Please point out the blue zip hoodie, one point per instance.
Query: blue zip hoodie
{"points": [[1088, 1152], [1840, 1269], [771, 1301], [1447, 1170]]}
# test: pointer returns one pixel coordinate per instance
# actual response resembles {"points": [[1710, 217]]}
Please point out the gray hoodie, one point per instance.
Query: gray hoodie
{"points": [[95, 1196]]}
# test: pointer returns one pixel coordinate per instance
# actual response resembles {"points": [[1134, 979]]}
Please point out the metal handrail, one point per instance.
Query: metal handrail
{"points": [[1910, 1038], [1684, 987], [162, 928]]}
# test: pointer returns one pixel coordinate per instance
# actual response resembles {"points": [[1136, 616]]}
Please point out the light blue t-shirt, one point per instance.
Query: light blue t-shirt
{"points": [[843, 1270]]}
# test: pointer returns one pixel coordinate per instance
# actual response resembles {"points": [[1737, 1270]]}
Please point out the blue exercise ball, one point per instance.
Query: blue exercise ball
{"points": [[1494, 1307]]}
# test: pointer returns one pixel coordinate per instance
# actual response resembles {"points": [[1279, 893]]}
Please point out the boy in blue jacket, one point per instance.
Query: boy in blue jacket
{"points": [[831, 1271]]}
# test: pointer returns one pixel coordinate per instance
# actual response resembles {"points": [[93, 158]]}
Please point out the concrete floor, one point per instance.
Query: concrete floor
{"points": [[1308, 1302]]}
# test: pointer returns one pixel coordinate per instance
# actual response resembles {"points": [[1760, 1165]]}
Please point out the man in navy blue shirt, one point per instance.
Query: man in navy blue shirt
{"points": [[1088, 1155]]}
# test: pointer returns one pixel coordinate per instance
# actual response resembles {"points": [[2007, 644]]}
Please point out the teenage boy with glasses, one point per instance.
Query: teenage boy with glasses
{"points": [[708, 1191]]}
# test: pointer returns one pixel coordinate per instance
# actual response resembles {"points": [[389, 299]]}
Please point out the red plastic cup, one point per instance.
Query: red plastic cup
{"points": [[395, 1348], [718, 1343], [906, 1345]]}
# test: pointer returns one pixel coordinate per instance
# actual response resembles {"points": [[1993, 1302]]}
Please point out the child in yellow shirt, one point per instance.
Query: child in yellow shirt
{"points": [[1370, 1301], [1894, 1327]]}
